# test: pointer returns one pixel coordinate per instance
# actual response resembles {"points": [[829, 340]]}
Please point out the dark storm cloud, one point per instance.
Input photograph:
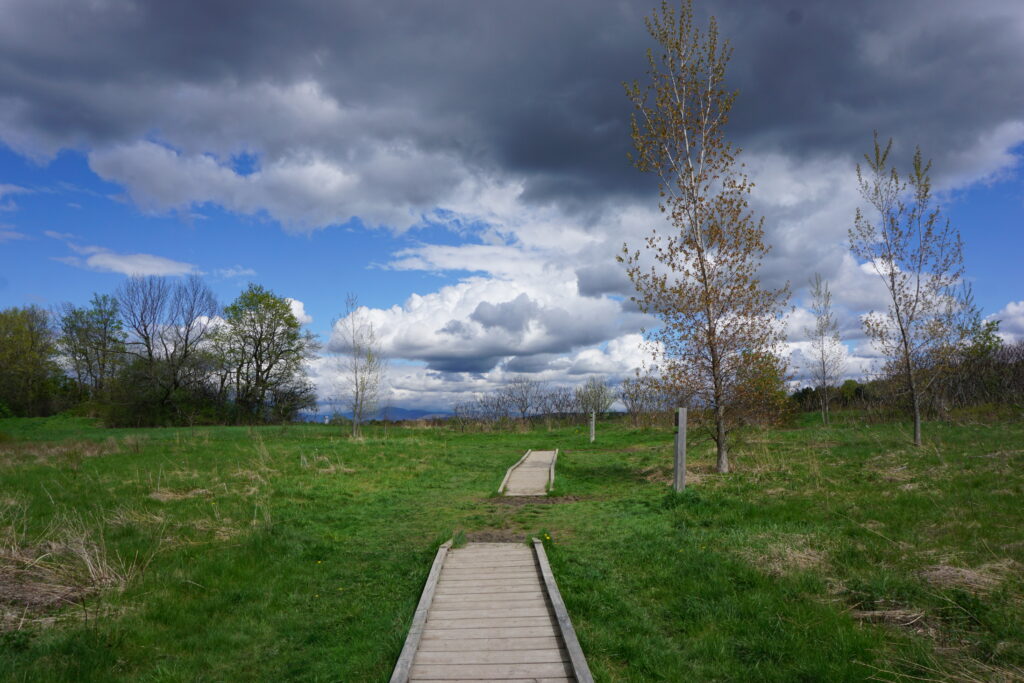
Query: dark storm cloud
{"points": [[531, 88]]}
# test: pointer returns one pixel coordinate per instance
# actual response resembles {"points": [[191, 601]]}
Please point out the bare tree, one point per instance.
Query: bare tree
{"points": [[362, 363], [920, 260], [522, 394], [639, 395], [826, 347], [700, 276], [168, 325], [594, 396]]}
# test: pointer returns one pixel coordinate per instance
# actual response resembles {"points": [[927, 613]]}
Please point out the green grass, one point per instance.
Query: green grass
{"points": [[295, 553]]}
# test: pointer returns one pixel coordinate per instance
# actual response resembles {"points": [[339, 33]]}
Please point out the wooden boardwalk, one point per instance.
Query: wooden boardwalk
{"points": [[491, 611], [533, 475]]}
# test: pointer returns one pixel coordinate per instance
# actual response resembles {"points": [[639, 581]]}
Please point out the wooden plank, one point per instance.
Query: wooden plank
{"points": [[456, 672], [488, 632], [500, 613], [529, 594], [466, 623], [572, 644], [484, 644], [419, 618], [526, 558], [494, 657], [484, 584], [513, 573], [556, 679], [511, 607]]}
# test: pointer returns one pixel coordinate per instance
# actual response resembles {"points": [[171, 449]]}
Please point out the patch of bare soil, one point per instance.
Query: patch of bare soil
{"points": [[165, 495], [519, 501], [980, 580], [495, 536]]}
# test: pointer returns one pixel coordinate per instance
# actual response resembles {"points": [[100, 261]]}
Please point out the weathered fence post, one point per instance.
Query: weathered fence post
{"points": [[679, 483], [593, 418]]}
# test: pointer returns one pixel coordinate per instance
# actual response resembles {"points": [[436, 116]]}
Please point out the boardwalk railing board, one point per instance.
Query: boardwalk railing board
{"points": [[508, 473], [419, 619], [568, 633], [551, 471]]}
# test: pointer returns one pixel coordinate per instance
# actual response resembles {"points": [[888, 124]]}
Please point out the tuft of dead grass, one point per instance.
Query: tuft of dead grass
{"points": [[62, 566], [166, 495], [782, 554], [981, 580]]}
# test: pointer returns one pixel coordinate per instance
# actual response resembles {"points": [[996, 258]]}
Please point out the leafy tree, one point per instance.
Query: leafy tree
{"points": [[92, 341], [29, 373], [262, 351], [919, 258], [700, 276]]}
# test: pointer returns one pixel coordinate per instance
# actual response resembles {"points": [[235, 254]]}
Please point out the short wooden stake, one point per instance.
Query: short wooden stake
{"points": [[679, 483], [593, 418]]}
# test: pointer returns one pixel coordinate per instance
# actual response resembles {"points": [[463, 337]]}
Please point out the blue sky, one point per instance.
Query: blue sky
{"points": [[463, 170]]}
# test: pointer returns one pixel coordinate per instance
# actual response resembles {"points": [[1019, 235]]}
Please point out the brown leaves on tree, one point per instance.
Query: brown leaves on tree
{"points": [[699, 277]]}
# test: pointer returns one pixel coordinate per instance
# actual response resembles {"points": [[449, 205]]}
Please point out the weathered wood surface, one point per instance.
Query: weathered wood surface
{"points": [[491, 618], [531, 476]]}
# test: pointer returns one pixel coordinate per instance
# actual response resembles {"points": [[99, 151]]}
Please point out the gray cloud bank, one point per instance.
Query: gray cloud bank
{"points": [[510, 115]]}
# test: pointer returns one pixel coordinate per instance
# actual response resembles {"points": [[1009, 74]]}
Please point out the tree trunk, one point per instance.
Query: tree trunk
{"points": [[723, 454], [917, 419]]}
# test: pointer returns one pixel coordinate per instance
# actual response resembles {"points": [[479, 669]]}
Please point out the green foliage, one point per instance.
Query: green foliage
{"points": [[29, 375]]}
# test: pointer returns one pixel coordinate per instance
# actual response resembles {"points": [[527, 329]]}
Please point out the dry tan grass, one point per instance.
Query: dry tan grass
{"points": [[62, 566], [981, 580], [62, 452], [165, 495], [781, 554]]}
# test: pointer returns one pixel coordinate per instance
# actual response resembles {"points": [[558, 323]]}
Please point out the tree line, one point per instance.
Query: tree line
{"points": [[158, 351]]}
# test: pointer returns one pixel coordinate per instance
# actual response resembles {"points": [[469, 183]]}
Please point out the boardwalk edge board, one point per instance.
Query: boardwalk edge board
{"points": [[419, 619], [504, 482], [551, 471], [572, 644]]}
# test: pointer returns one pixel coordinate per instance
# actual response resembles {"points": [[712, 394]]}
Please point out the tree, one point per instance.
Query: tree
{"points": [[703, 282], [92, 341], [919, 258], [262, 350], [640, 396], [594, 396], [29, 374], [826, 347], [169, 326], [523, 394], [362, 363]]}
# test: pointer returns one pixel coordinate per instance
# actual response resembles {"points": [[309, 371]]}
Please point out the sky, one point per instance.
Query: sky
{"points": [[462, 166]]}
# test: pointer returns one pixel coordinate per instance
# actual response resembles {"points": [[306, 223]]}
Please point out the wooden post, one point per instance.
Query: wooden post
{"points": [[593, 418], [679, 483]]}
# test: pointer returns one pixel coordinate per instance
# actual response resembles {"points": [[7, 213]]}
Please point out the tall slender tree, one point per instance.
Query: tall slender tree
{"points": [[827, 355], [361, 363], [919, 258], [699, 276]]}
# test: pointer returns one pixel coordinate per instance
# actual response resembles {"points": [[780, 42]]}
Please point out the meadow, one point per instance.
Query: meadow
{"points": [[295, 553]]}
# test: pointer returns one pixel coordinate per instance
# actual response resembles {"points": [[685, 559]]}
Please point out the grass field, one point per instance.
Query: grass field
{"points": [[272, 553]]}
